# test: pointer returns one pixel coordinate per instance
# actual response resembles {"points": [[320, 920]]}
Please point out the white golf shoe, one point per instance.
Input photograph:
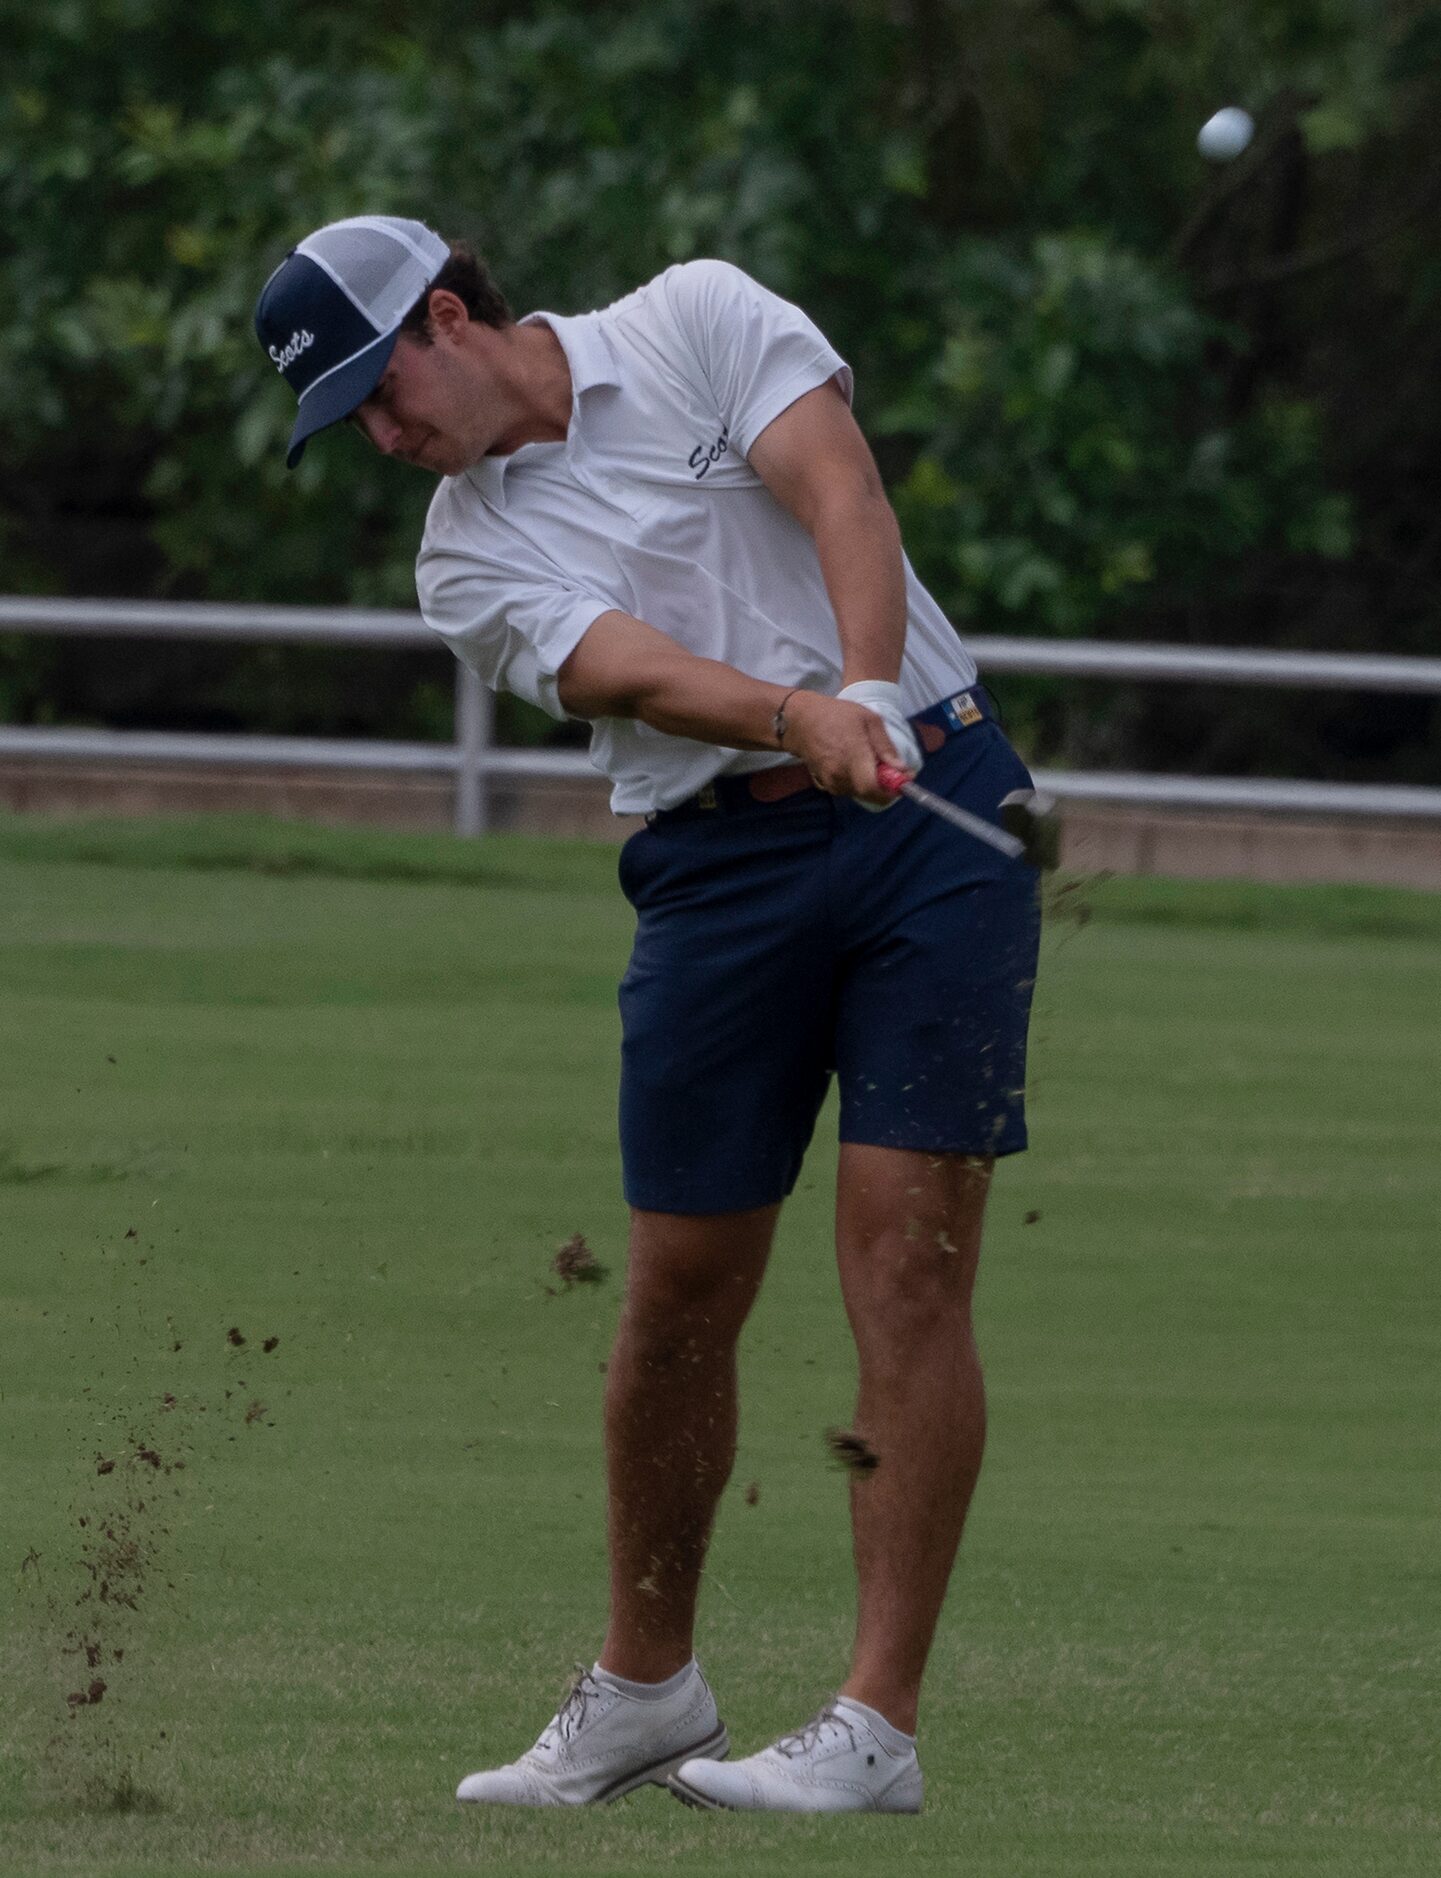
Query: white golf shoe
{"points": [[604, 1743], [837, 1763]]}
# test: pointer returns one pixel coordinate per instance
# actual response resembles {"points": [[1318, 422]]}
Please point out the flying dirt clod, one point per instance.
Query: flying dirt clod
{"points": [[852, 1451]]}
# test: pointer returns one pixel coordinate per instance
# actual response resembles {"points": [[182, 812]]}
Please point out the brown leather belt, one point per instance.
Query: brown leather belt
{"points": [[778, 782], [793, 779]]}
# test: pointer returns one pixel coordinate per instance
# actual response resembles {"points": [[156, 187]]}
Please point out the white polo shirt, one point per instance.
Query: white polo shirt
{"points": [[650, 507]]}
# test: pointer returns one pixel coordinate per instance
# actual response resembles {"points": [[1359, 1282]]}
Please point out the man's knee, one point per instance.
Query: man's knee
{"points": [[908, 1280], [691, 1280], [908, 1227], [914, 1280]]}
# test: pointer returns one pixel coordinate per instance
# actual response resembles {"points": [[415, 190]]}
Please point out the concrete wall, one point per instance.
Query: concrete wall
{"points": [[1206, 845], [1119, 840], [538, 806]]}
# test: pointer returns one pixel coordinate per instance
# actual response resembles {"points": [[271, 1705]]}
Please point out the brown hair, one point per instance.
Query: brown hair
{"points": [[469, 279]]}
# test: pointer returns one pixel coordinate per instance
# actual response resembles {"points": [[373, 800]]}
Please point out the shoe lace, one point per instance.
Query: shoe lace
{"points": [[569, 1719], [808, 1737]]}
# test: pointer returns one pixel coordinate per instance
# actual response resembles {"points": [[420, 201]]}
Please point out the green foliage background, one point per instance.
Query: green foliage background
{"points": [[1114, 391]]}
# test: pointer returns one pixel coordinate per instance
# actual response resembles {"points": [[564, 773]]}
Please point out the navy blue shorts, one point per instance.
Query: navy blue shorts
{"points": [[781, 942]]}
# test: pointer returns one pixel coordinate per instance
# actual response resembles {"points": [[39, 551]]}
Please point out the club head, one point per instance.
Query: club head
{"points": [[1031, 818]]}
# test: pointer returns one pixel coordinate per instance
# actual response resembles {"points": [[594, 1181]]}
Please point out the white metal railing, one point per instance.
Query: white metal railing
{"points": [[473, 758]]}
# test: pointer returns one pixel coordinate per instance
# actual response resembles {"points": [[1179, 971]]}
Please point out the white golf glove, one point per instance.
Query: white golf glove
{"points": [[885, 700]]}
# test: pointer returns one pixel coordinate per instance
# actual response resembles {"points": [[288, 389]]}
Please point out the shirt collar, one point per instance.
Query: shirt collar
{"points": [[586, 345], [592, 362]]}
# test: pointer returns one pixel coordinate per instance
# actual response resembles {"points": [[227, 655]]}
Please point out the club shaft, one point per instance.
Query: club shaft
{"points": [[962, 818]]}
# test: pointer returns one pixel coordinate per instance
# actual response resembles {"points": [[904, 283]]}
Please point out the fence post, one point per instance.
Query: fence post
{"points": [[474, 727]]}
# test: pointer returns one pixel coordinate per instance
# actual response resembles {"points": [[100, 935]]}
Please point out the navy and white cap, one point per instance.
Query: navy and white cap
{"points": [[329, 315]]}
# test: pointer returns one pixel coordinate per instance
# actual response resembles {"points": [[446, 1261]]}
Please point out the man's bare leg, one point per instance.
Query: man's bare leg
{"points": [[908, 1235], [670, 1423]]}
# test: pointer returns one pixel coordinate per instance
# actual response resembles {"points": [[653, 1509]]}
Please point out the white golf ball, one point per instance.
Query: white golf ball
{"points": [[1226, 134]]}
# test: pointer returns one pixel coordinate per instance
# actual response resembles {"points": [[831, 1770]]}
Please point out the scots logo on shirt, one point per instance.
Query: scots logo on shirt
{"points": [[704, 454]]}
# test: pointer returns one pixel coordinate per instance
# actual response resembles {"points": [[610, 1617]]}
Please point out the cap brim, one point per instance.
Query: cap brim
{"points": [[334, 397]]}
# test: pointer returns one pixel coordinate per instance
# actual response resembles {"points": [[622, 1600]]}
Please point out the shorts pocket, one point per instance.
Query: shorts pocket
{"points": [[632, 866]]}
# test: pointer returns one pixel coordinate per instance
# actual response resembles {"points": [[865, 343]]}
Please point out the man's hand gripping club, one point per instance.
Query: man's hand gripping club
{"points": [[844, 748]]}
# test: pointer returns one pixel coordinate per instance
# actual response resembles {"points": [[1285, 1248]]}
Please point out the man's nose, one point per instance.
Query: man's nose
{"points": [[384, 432]]}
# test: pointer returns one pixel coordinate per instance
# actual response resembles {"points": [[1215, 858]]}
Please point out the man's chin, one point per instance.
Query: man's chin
{"points": [[445, 462]]}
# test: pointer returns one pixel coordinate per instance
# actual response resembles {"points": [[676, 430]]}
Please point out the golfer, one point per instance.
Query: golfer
{"points": [[661, 519]]}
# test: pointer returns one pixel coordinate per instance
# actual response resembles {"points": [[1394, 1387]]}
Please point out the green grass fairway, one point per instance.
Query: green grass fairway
{"points": [[351, 1093]]}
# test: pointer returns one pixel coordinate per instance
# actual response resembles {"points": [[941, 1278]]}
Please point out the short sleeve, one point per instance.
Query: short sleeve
{"points": [[513, 631], [757, 352]]}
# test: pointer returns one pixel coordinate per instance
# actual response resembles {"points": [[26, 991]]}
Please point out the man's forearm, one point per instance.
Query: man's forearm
{"points": [[711, 702], [859, 546], [815, 462], [623, 667]]}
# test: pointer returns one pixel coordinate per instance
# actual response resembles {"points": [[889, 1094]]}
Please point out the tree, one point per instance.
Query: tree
{"points": [[1112, 391]]}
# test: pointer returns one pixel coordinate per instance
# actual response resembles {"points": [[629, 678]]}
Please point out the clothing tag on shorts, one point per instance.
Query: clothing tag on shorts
{"points": [[963, 710], [706, 797]]}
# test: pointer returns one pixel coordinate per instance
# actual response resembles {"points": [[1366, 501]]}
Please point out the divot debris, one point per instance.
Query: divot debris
{"points": [[575, 1264], [852, 1451]]}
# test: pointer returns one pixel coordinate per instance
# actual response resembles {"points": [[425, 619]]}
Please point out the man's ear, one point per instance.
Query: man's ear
{"points": [[448, 314]]}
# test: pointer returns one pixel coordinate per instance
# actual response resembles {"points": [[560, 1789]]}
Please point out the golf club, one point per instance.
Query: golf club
{"points": [[1028, 833]]}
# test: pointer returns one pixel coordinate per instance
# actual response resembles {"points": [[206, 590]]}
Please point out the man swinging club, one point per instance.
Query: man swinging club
{"points": [[662, 519]]}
